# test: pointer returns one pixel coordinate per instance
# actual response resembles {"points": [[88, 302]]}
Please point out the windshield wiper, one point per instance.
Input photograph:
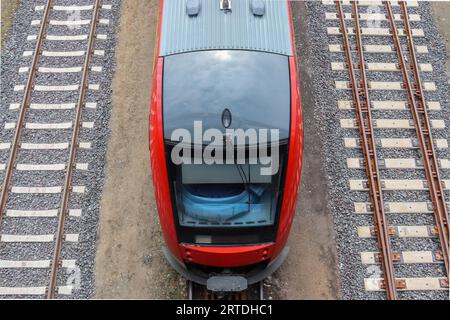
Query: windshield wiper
{"points": [[245, 181], [242, 174]]}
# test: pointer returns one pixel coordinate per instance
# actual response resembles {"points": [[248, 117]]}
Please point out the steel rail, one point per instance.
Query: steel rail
{"points": [[64, 207], [438, 190], [418, 108], [32, 74], [362, 106]]}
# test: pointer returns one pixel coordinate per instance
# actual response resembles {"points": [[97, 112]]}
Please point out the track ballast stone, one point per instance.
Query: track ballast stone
{"points": [[83, 251], [341, 198]]}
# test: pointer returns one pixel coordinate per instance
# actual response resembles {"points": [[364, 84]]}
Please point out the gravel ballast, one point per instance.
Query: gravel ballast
{"points": [[83, 252], [346, 222]]}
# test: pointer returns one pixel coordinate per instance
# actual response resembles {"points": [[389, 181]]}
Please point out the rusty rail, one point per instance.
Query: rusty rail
{"points": [[64, 207], [418, 108], [6, 187], [362, 106]]}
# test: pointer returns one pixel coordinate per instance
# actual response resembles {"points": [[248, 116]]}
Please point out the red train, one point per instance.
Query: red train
{"points": [[220, 67]]}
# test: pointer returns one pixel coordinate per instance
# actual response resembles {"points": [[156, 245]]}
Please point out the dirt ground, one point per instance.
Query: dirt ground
{"points": [[310, 272], [8, 7], [441, 12], [129, 262]]}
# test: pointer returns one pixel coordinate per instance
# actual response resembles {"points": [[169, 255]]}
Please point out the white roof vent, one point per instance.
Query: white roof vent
{"points": [[225, 5], [193, 7], [258, 7]]}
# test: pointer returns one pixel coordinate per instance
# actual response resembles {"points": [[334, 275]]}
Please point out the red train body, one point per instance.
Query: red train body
{"points": [[197, 261]]}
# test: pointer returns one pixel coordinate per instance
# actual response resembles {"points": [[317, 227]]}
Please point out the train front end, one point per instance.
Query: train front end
{"points": [[226, 139]]}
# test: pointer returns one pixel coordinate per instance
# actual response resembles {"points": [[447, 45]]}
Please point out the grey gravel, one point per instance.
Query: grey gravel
{"points": [[83, 251], [341, 199]]}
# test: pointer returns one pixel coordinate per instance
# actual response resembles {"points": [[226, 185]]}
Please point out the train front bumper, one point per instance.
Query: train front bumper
{"points": [[228, 279]]}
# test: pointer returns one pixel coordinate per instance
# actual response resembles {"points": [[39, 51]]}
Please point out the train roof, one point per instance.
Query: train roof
{"points": [[253, 86], [195, 25]]}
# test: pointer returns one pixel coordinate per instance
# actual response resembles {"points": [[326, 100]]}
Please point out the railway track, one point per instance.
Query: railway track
{"points": [[42, 170], [394, 124]]}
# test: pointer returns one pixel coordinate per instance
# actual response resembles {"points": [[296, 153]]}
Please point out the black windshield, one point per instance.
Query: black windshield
{"points": [[226, 195], [226, 204], [199, 86]]}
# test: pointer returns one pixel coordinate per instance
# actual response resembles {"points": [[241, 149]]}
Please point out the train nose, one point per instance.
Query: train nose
{"points": [[226, 257], [230, 278]]}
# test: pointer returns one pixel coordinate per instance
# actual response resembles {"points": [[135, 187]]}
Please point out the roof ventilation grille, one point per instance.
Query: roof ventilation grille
{"points": [[193, 7], [225, 5], [258, 7]]}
